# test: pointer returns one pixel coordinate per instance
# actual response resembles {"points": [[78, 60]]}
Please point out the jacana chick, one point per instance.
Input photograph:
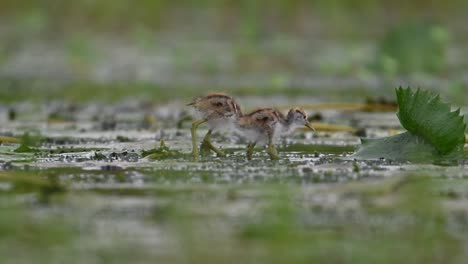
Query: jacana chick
{"points": [[219, 111], [262, 126]]}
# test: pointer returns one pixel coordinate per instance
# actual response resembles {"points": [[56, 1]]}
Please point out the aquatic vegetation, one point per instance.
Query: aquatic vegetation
{"points": [[29, 143], [434, 131], [24, 237], [413, 47], [423, 113], [5, 139], [80, 52], [108, 176], [313, 204], [278, 223], [162, 152], [466, 122]]}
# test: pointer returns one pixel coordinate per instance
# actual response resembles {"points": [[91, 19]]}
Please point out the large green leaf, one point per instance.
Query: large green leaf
{"points": [[424, 114], [434, 132], [403, 147]]}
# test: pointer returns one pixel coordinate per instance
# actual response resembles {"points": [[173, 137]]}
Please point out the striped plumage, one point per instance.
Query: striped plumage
{"points": [[219, 111], [262, 126], [216, 105], [258, 124]]}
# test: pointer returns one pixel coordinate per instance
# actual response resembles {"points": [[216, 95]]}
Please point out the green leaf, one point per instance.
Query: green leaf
{"points": [[25, 149], [28, 143], [403, 147], [424, 114], [434, 132]]}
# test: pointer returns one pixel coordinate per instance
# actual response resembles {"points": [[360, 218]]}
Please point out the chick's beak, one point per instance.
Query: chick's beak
{"points": [[308, 125]]}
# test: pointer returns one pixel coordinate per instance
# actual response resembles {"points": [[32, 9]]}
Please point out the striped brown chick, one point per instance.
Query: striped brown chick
{"points": [[263, 125], [220, 112]]}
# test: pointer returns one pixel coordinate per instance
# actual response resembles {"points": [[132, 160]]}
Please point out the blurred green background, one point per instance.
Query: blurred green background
{"points": [[72, 59], [75, 50]]}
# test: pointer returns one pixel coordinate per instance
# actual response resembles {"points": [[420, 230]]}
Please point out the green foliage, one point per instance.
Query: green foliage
{"points": [[278, 223], [456, 92], [424, 114], [405, 146], [86, 91], [99, 156], [45, 184], [413, 47], [33, 21], [434, 132], [24, 149], [81, 53], [249, 16], [466, 122], [29, 142], [163, 152], [17, 225], [401, 216], [28, 237]]}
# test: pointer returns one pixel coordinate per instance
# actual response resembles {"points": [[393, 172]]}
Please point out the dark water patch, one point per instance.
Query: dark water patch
{"points": [[312, 149], [71, 150]]}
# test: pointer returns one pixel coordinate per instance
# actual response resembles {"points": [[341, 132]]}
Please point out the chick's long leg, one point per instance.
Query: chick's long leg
{"points": [[250, 150], [195, 125], [206, 145], [271, 150]]}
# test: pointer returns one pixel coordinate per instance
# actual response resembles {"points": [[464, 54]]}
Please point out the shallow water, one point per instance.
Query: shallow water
{"points": [[98, 94], [97, 198]]}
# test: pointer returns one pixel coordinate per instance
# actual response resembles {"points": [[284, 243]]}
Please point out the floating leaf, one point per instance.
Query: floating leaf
{"points": [[424, 114], [434, 132], [404, 146]]}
